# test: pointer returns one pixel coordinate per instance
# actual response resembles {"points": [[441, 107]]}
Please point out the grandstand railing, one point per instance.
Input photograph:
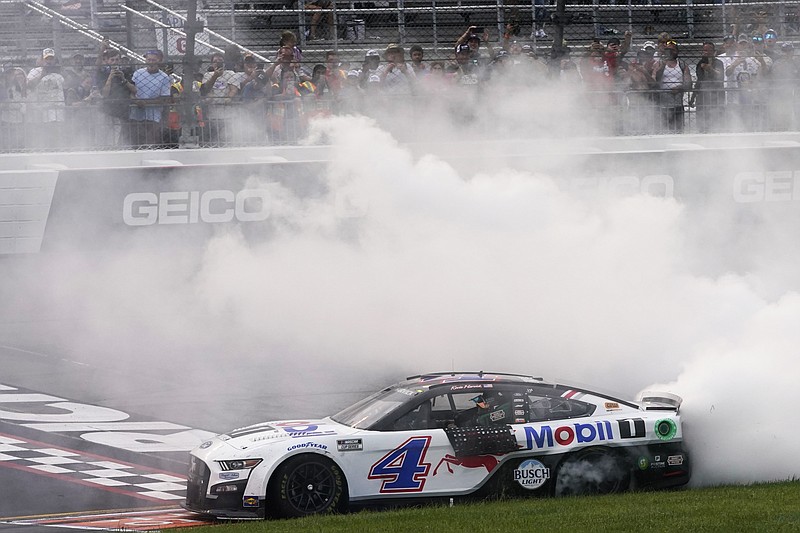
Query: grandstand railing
{"points": [[281, 120]]}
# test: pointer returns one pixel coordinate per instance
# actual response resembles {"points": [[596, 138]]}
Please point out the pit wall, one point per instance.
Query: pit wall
{"points": [[90, 201]]}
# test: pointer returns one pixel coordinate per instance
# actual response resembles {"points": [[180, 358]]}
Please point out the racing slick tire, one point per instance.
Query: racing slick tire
{"points": [[304, 485], [592, 471]]}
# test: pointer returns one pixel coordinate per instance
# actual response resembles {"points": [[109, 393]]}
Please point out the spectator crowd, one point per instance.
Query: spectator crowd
{"points": [[744, 82]]}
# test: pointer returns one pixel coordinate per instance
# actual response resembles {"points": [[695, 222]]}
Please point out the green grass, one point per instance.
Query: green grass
{"points": [[762, 507]]}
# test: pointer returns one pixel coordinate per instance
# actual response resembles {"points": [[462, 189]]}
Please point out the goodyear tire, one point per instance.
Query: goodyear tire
{"points": [[592, 471], [306, 485]]}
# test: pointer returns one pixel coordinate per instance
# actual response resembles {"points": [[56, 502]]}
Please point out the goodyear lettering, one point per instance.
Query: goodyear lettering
{"points": [[308, 445], [191, 207], [547, 436]]}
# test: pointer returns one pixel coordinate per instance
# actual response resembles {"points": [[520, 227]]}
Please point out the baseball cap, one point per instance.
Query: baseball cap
{"points": [[473, 37], [463, 48], [649, 44], [48, 52], [373, 53], [729, 38], [353, 73], [743, 38], [770, 34]]}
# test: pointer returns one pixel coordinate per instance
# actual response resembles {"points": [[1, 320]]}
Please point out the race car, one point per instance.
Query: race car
{"points": [[439, 437]]}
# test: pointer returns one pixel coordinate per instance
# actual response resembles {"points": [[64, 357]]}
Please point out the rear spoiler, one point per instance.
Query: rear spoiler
{"points": [[659, 401]]}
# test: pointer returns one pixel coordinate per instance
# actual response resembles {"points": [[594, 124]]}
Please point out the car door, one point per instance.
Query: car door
{"points": [[414, 454]]}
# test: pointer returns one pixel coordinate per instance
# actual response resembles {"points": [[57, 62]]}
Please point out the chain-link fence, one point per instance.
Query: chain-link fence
{"points": [[541, 40]]}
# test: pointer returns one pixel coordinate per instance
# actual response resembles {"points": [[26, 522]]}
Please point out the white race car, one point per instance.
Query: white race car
{"points": [[442, 436]]}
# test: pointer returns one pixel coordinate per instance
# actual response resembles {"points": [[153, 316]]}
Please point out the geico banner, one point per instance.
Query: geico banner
{"points": [[111, 207]]}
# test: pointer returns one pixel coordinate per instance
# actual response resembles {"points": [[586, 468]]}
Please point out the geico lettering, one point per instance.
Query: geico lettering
{"points": [[659, 185], [547, 436], [191, 207], [772, 186]]}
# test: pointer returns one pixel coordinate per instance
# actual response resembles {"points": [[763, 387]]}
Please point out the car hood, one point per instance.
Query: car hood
{"points": [[257, 435]]}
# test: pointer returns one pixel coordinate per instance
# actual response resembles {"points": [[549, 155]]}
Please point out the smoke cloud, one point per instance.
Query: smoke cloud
{"points": [[409, 264]]}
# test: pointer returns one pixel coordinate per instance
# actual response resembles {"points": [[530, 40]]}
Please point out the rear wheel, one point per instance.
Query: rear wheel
{"points": [[592, 471], [305, 485]]}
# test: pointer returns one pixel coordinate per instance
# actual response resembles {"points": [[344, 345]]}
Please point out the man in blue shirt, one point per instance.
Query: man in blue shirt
{"points": [[152, 93]]}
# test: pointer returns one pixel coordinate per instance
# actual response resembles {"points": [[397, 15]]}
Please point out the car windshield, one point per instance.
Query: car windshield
{"points": [[365, 413]]}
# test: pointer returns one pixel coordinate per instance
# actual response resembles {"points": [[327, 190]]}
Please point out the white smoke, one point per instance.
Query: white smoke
{"points": [[409, 265]]}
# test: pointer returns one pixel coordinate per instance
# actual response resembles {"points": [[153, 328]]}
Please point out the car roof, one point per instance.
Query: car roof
{"points": [[442, 378], [433, 380]]}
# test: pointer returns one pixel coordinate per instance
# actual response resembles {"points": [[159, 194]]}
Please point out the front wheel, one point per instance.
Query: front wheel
{"points": [[306, 485], [592, 471]]}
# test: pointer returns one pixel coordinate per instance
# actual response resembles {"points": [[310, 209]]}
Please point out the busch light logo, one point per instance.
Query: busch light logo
{"points": [[531, 474]]}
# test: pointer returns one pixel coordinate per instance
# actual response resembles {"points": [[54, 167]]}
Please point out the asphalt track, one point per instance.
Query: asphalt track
{"points": [[83, 473]]}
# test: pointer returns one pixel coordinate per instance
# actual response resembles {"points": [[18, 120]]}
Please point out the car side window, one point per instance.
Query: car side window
{"points": [[557, 408]]}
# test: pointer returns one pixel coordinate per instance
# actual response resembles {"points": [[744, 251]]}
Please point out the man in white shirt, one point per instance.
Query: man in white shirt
{"points": [[46, 90], [219, 87]]}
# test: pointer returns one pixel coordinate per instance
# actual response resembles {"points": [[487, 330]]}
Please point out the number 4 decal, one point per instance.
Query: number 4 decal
{"points": [[403, 469]]}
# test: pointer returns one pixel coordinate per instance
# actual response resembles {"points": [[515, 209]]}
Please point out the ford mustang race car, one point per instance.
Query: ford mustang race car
{"points": [[442, 436]]}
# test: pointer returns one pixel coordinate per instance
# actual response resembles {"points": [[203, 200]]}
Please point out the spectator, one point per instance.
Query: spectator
{"points": [[435, 81], [728, 56], [743, 61], [117, 89], [322, 9], [641, 104], [74, 74], [472, 38], [709, 93], [615, 51], [782, 100], [334, 74], [759, 54], [466, 71], [417, 63], [219, 87], [673, 79], [771, 44], [396, 76], [288, 38], [368, 77], [153, 89], [46, 90], [12, 109]]}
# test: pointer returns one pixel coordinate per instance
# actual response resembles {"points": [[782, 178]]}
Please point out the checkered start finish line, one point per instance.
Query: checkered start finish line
{"points": [[91, 470]]}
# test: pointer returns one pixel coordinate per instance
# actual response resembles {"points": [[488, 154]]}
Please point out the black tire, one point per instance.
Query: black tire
{"points": [[592, 471], [304, 485]]}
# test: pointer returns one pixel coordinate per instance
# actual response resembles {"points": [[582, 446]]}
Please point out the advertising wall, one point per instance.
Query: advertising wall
{"points": [[49, 207]]}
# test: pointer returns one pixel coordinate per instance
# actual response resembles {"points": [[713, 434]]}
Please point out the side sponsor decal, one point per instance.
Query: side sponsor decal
{"points": [[631, 428], [531, 474], [303, 429], [675, 460], [349, 445], [547, 437], [403, 469], [666, 429], [306, 445], [612, 406], [489, 462]]}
